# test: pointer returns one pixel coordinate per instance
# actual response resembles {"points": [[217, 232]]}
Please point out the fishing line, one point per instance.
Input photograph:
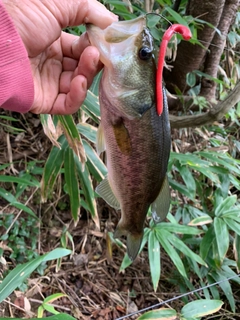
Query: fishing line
{"points": [[214, 45], [202, 41], [178, 297], [159, 15]]}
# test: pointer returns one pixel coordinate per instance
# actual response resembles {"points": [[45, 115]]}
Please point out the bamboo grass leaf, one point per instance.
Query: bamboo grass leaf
{"points": [[51, 131], [70, 174], [98, 168], [226, 288], [154, 258], [160, 314], [206, 242], [72, 135], [163, 237], [51, 171], [201, 308], [18, 275], [225, 205], [87, 188], [222, 237]]}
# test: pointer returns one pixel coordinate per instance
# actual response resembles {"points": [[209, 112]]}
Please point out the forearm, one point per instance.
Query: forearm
{"points": [[16, 82]]}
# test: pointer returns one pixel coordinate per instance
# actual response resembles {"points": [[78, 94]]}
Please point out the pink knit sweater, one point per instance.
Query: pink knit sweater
{"points": [[16, 81]]}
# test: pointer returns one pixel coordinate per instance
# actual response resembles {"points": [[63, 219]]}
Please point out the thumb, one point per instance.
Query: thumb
{"points": [[76, 12]]}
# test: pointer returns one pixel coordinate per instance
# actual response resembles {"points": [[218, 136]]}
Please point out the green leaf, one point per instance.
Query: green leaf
{"points": [[206, 242], [13, 201], [163, 237], [233, 225], [98, 168], [61, 316], [226, 205], [222, 237], [237, 250], [216, 157], [159, 314], [72, 135], [191, 79], [19, 180], [200, 308], [88, 131], [201, 221], [87, 188], [180, 188], [91, 103], [188, 179], [18, 275], [226, 288], [50, 308], [177, 228], [94, 89], [180, 245], [51, 170], [154, 258], [54, 297], [176, 16], [70, 174]]}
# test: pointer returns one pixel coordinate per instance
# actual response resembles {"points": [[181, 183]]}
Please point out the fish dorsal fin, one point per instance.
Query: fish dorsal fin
{"points": [[122, 137], [100, 140], [105, 191], [160, 206]]}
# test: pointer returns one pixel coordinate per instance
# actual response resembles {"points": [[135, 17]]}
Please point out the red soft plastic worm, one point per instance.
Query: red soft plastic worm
{"points": [[186, 33]]}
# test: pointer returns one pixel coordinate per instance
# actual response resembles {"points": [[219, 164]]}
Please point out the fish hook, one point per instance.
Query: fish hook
{"points": [[186, 34]]}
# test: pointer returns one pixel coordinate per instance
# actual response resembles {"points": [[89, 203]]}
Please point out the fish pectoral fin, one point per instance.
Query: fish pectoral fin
{"points": [[133, 241], [160, 206], [105, 191], [100, 140]]}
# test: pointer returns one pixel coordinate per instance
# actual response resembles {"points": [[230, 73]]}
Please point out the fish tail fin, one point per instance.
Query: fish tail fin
{"points": [[133, 244], [133, 241]]}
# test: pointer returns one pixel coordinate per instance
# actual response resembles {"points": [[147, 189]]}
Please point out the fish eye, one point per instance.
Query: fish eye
{"points": [[145, 53]]}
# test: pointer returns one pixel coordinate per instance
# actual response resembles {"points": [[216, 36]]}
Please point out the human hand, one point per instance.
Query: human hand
{"points": [[63, 65]]}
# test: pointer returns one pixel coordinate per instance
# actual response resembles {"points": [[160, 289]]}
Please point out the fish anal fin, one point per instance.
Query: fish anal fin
{"points": [[122, 137], [105, 191], [160, 206], [100, 140]]}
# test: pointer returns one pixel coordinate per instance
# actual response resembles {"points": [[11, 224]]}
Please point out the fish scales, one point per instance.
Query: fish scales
{"points": [[136, 139], [136, 177]]}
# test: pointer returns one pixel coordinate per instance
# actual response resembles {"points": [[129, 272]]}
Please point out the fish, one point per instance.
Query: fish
{"points": [[136, 139]]}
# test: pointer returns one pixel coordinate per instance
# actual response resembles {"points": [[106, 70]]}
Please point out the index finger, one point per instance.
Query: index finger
{"points": [[75, 12]]}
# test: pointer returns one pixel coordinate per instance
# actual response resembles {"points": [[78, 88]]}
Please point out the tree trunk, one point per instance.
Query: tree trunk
{"points": [[208, 87], [193, 57]]}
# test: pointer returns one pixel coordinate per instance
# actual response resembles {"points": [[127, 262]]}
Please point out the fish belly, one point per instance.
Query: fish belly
{"points": [[137, 157]]}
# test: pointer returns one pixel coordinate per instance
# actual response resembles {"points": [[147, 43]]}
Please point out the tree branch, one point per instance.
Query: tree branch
{"points": [[215, 114]]}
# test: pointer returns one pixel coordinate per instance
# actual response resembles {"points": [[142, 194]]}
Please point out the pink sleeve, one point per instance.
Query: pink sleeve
{"points": [[16, 81]]}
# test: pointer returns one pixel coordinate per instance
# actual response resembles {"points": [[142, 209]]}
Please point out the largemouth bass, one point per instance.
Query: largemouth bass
{"points": [[137, 141]]}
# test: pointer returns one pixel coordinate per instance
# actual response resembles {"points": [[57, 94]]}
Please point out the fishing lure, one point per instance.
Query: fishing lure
{"points": [[186, 34]]}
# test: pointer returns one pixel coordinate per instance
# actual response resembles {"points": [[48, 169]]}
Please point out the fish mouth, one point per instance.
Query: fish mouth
{"points": [[117, 32]]}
